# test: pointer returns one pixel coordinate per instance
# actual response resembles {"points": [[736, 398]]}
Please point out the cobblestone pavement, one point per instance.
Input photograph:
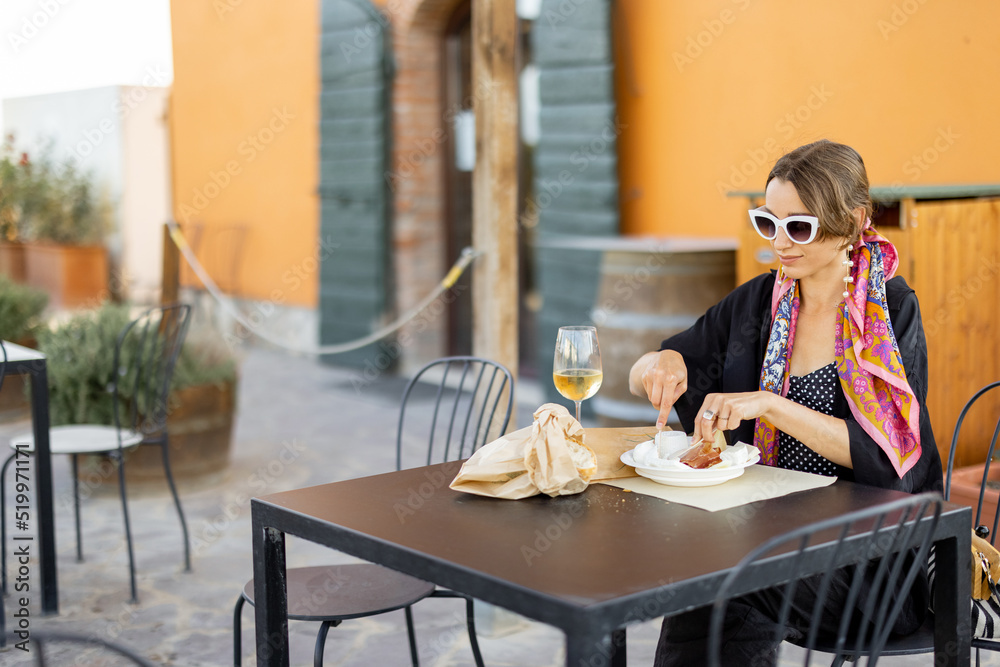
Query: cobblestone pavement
{"points": [[299, 423]]}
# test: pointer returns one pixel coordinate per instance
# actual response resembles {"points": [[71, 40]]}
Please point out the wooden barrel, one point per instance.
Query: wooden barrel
{"points": [[200, 425], [649, 291]]}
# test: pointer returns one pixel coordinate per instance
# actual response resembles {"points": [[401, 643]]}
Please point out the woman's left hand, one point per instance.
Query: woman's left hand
{"points": [[726, 411]]}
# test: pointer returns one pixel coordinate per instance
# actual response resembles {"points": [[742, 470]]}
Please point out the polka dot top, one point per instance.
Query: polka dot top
{"points": [[816, 391]]}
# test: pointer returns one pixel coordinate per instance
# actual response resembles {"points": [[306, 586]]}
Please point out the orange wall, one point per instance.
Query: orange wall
{"points": [[245, 136], [713, 92]]}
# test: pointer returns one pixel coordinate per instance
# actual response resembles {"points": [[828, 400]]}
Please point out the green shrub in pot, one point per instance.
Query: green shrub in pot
{"points": [[51, 201], [80, 354], [11, 171], [21, 308]]}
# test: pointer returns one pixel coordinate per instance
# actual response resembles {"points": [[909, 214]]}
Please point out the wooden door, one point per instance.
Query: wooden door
{"points": [[355, 133], [956, 263]]}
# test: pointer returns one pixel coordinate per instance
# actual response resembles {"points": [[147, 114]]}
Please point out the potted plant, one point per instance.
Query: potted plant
{"points": [[201, 405], [80, 356], [21, 308], [11, 250], [62, 218]]}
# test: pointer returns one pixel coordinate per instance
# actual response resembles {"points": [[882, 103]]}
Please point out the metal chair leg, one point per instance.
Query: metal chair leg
{"points": [[470, 621], [412, 635], [324, 629], [619, 643], [3, 524], [165, 448], [3, 625], [76, 508], [238, 632], [40, 653], [120, 464]]}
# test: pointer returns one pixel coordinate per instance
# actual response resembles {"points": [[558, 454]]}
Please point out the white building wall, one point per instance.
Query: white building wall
{"points": [[119, 135], [145, 202]]}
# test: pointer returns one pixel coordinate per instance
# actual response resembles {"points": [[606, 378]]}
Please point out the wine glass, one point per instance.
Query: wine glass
{"points": [[576, 370]]}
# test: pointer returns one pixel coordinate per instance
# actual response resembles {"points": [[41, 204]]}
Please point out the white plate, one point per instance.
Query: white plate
{"points": [[689, 476], [693, 480]]}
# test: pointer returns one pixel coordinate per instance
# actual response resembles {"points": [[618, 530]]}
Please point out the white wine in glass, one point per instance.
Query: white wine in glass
{"points": [[576, 370]]}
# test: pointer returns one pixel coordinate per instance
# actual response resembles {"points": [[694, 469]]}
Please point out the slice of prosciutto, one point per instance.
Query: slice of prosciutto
{"points": [[702, 455]]}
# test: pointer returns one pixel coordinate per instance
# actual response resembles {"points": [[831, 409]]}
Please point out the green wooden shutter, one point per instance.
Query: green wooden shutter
{"points": [[355, 66], [575, 163]]}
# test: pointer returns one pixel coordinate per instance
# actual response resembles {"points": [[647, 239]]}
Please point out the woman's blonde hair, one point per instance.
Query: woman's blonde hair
{"points": [[831, 180]]}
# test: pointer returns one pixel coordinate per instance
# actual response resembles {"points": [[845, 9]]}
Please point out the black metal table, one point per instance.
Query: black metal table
{"points": [[589, 564], [25, 361]]}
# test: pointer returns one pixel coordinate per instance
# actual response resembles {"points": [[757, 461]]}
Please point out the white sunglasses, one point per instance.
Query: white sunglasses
{"points": [[800, 229]]}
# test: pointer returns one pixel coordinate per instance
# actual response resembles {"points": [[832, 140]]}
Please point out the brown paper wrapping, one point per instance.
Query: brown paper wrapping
{"points": [[554, 456], [610, 443]]}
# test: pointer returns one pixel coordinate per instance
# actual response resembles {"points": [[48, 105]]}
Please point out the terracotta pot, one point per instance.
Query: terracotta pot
{"points": [[965, 485], [12, 262], [73, 276], [201, 428]]}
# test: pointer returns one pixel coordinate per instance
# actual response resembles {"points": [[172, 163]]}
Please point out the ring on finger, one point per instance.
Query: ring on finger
{"points": [[708, 414]]}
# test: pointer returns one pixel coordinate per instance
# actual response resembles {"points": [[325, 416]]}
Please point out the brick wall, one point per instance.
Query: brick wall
{"points": [[419, 237]]}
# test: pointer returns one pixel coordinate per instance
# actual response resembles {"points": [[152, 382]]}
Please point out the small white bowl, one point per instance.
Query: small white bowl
{"points": [[668, 442]]}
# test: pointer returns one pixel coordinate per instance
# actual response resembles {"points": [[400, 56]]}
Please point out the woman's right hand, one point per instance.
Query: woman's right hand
{"points": [[662, 377]]}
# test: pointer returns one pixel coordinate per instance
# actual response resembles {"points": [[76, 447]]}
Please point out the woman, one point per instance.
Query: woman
{"points": [[823, 367]]}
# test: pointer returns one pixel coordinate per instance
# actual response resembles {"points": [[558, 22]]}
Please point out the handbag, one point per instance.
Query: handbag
{"points": [[985, 579], [985, 585]]}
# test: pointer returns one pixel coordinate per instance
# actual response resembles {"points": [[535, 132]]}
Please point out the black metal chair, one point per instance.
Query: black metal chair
{"points": [[89, 647], [922, 641], [897, 534], [463, 417], [986, 527], [145, 355]]}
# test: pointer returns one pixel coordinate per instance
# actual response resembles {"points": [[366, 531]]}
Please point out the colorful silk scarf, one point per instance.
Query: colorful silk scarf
{"points": [[868, 360]]}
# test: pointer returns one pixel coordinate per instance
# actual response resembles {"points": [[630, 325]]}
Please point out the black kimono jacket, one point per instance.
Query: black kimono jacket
{"points": [[724, 352]]}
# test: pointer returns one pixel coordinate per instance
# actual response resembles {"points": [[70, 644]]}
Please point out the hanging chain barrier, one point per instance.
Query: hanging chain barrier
{"points": [[457, 269]]}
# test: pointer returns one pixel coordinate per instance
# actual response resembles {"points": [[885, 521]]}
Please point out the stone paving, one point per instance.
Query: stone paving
{"points": [[299, 423]]}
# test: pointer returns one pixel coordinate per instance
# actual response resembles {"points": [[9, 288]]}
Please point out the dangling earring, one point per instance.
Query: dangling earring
{"points": [[849, 263]]}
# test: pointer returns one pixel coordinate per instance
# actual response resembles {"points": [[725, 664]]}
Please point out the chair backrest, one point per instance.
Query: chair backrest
{"points": [[885, 548], [978, 518], [145, 356], [460, 403], [81, 649]]}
